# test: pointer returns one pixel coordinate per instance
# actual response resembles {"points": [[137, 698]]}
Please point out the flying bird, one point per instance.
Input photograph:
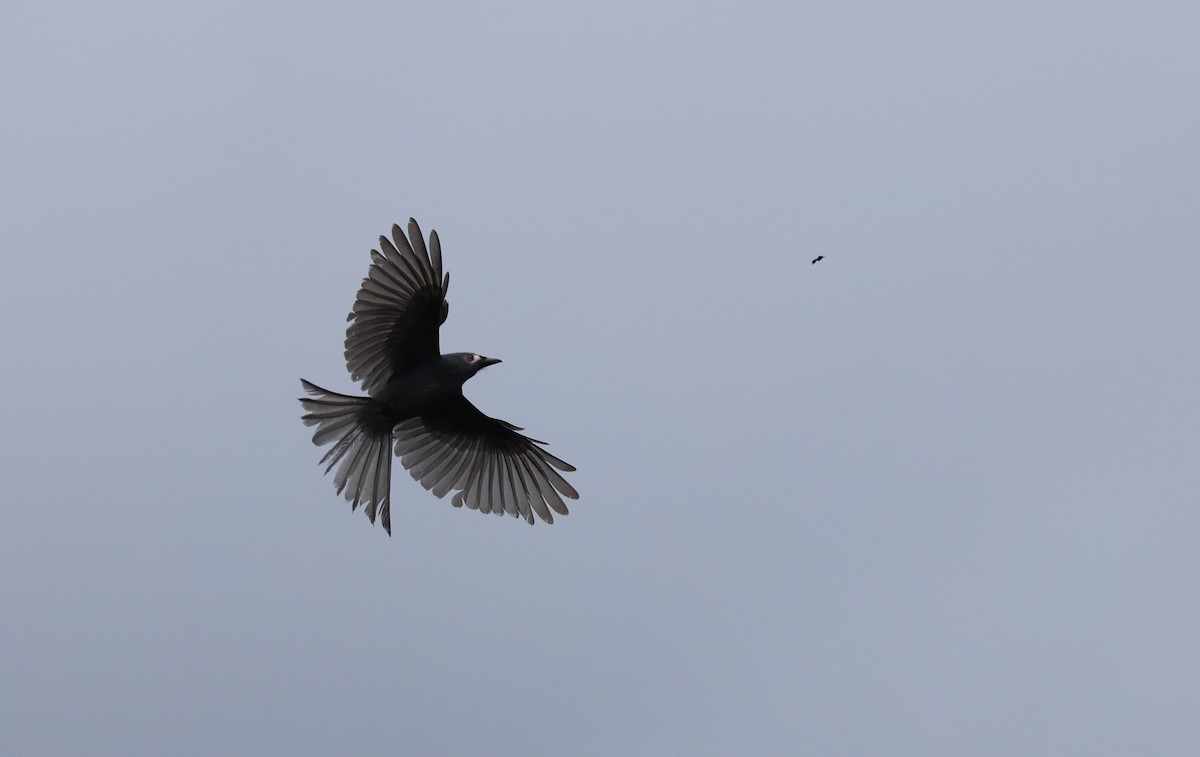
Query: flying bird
{"points": [[415, 402], [819, 257]]}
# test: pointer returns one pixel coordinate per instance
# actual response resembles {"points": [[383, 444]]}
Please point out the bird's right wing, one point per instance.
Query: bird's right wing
{"points": [[399, 308], [485, 461]]}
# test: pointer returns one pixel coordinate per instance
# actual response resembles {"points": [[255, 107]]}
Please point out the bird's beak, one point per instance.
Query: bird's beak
{"points": [[485, 362]]}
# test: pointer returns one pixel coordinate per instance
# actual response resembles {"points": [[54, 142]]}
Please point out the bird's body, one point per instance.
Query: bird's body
{"points": [[415, 402], [425, 388], [818, 259]]}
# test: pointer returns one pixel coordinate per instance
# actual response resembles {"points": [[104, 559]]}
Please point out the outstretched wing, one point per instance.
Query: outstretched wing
{"points": [[489, 466], [400, 305]]}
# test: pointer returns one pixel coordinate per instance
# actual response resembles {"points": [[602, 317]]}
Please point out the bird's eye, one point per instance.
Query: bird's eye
{"points": [[471, 358]]}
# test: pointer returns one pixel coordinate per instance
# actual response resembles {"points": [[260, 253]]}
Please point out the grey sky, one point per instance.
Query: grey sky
{"points": [[934, 495]]}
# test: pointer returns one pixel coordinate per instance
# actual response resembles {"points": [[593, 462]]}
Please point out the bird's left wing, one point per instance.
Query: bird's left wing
{"points": [[485, 461], [399, 308]]}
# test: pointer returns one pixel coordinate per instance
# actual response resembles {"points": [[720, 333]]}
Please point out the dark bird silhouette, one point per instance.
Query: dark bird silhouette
{"points": [[415, 402], [819, 257]]}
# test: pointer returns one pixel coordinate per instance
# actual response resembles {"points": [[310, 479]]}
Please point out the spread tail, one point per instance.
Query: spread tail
{"points": [[365, 455]]}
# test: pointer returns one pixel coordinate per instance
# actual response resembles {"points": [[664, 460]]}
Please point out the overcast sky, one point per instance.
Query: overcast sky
{"points": [[934, 495]]}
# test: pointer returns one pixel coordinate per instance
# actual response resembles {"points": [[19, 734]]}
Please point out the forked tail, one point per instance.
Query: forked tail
{"points": [[363, 456]]}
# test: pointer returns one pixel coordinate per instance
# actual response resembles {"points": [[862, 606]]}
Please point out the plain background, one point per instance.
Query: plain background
{"points": [[936, 494]]}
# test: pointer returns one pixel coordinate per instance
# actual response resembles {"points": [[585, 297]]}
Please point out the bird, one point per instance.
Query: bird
{"points": [[819, 257], [414, 402]]}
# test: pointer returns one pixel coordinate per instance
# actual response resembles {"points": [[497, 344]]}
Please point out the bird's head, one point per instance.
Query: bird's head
{"points": [[467, 364]]}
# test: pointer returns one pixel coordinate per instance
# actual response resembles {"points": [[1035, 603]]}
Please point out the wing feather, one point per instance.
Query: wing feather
{"points": [[399, 307], [486, 462]]}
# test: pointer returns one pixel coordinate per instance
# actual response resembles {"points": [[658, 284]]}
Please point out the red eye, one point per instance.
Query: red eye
{"points": [[471, 358]]}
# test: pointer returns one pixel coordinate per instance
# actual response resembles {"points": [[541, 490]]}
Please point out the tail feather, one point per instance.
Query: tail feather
{"points": [[363, 457]]}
